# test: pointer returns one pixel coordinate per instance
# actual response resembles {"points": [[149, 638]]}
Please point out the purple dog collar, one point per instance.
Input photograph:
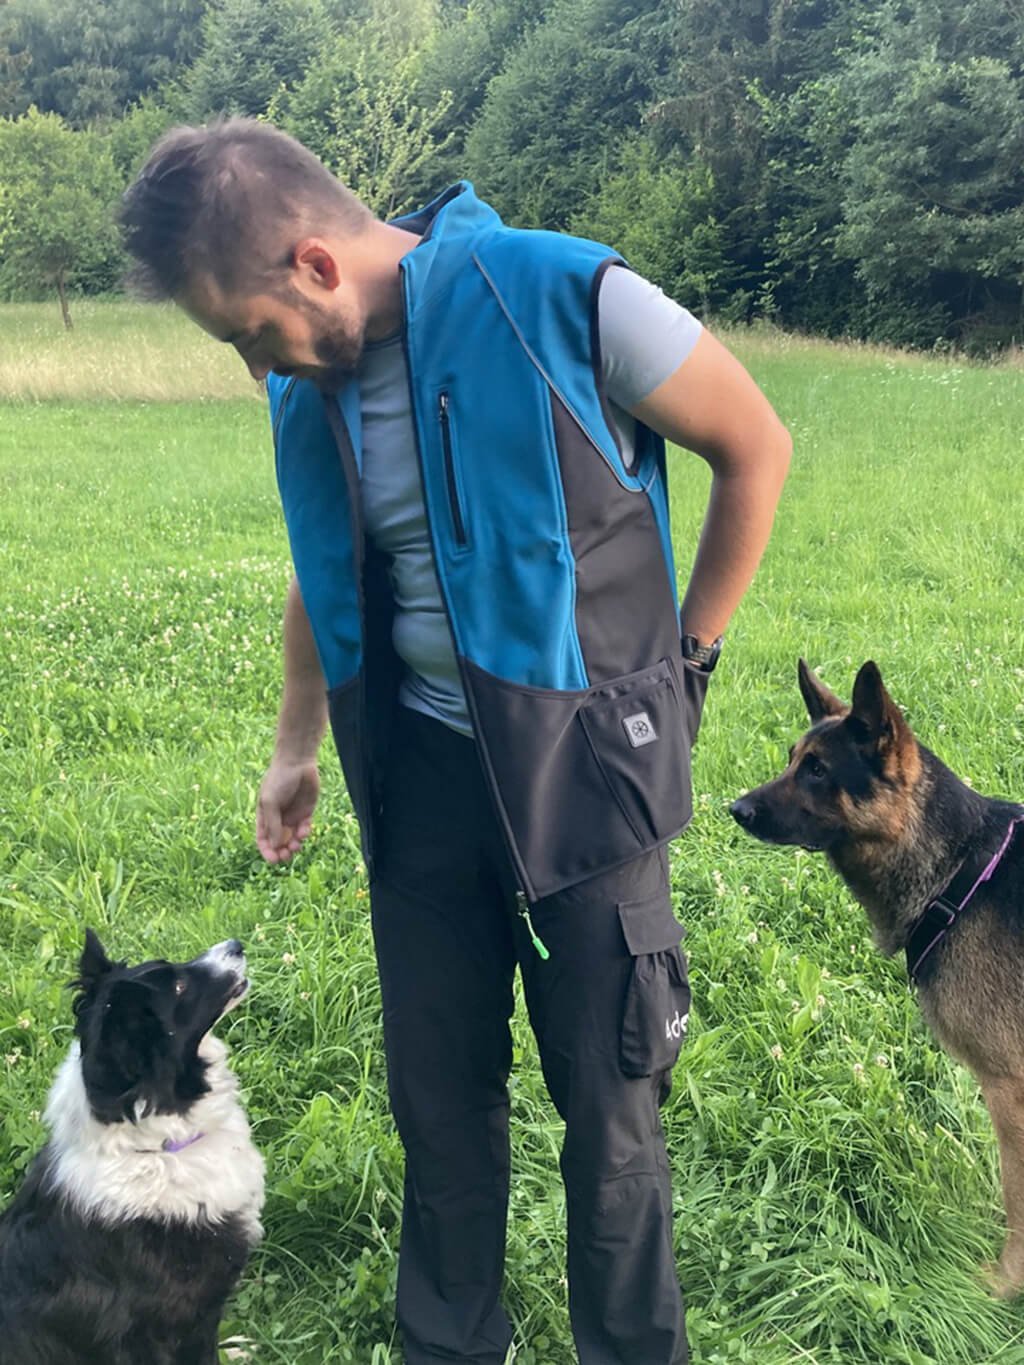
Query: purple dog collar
{"points": [[169, 1146], [942, 913]]}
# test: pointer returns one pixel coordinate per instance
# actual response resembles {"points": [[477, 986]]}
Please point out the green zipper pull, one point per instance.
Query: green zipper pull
{"points": [[535, 939]]}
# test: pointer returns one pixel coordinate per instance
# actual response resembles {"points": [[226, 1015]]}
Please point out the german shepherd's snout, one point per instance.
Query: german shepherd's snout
{"points": [[939, 870]]}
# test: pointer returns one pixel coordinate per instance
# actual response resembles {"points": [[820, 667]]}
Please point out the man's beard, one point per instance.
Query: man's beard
{"points": [[339, 353], [337, 344]]}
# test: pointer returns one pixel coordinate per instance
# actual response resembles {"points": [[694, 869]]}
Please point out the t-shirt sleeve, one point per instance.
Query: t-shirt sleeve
{"points": [[645, 336]]}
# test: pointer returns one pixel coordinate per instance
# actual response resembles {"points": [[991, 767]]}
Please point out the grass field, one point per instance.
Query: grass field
{"points": [[836, 1174]]}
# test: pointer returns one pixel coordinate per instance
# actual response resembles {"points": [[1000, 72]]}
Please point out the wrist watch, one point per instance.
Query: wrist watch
{"points": [[701, 656]]}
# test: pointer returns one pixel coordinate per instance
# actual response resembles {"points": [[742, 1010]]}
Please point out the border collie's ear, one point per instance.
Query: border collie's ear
{"points": [[820, 702], [93, 963]]}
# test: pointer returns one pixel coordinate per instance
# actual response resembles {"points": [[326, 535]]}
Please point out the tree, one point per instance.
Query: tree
{"points": [[933, 186], [659, 213], [359, 107], [57, 191], [91, 58], [12, 68], [251, 48], [468, 48], [574, 87]]}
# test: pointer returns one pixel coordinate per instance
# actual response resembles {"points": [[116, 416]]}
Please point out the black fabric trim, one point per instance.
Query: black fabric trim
{"points": [[414, 222], [596, 358], [625, 607]]}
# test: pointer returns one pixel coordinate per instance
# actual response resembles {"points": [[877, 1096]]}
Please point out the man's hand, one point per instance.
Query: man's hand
{"points": [[289, 791], [284, 811]]}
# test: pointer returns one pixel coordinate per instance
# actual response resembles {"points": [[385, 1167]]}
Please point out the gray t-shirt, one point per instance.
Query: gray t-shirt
{"points": [[645, 337]]}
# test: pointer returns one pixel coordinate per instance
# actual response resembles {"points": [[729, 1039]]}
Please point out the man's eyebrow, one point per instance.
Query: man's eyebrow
{"points": [[233, 339]]}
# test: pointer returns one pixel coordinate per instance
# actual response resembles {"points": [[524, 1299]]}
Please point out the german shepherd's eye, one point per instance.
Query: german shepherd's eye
{"points": [[813, 768]]}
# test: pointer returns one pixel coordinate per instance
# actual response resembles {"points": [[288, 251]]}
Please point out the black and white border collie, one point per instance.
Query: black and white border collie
{"points": [[136, 1219]]}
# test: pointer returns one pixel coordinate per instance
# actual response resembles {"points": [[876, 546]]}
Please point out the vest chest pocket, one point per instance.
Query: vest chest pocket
{"points": [[451, 478], [657, 1004]]}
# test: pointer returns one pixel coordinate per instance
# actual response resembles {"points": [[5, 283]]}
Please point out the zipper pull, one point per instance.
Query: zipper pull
{"points": [[535, 939]]}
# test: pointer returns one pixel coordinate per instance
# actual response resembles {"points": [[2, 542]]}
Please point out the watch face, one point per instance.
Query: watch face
{"points": [[704, 655]]}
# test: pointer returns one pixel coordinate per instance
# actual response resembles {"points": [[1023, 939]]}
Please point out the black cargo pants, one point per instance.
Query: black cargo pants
{"points": [[608, 1009]]}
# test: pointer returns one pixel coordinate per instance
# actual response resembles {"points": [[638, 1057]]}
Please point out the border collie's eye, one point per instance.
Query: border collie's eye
{"points": [[814, 768], [179, 986]]}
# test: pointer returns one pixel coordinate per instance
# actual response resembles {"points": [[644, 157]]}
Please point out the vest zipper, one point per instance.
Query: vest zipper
{"points": [[523, 908], [458, 525], [492, 786], [350, 469]]}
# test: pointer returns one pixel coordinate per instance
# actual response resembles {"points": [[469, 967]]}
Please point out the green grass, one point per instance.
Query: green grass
{"points": [[835, 1173]]}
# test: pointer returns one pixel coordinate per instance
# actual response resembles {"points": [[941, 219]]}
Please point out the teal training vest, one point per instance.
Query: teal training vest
{"points": [[553, 558]]}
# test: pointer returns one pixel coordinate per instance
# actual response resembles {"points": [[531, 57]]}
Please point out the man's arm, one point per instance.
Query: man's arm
{"points": [[291, 786], [711, 405]]}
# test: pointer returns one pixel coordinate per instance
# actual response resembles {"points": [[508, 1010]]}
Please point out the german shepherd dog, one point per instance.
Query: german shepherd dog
{"points": [[940, 872]]}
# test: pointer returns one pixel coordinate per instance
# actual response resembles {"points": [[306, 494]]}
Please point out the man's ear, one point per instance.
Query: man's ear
{"points": [[314, 258], [820, 702]]}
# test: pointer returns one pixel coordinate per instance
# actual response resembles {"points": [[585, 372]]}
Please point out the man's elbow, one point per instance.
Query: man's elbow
{"points": [[759, 456]]}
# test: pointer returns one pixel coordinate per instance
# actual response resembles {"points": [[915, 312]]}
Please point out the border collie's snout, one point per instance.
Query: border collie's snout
{"points": [[227, 959]]}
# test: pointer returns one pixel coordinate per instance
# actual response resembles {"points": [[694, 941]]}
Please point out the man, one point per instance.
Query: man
{"points": [[469, 425]]}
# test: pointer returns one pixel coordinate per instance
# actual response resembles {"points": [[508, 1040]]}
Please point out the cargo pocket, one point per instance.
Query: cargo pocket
{"points": [[632, 726], [657, 1003]]}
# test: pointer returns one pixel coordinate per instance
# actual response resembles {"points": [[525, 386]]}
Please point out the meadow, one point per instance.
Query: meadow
{"points": [[836, 1175]]}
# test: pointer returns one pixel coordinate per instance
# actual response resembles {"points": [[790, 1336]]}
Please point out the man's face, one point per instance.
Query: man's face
{"points": [[282, 329]]}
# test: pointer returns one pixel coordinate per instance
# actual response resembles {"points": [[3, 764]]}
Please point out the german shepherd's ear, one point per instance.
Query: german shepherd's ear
{"points": [[819, 700], [874, 715]]}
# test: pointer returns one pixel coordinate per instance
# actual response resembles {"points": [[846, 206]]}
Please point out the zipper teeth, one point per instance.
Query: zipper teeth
{"points": [[449, 469], [513, 850], [343, 443]]}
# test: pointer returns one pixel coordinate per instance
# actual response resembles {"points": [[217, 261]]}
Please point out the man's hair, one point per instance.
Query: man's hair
{"points": [[230, 200]]}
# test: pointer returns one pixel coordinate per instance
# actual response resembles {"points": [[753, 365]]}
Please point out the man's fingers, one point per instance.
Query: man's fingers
{"points": [[268, 822]]}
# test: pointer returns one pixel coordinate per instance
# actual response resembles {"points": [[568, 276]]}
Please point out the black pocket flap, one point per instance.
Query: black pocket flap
{"points": [[649, 926]]}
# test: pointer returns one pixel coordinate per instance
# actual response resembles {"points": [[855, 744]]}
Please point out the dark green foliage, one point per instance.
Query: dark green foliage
{"points": [[847, 167], [89, 59], [250, 50], [576, 85]]}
